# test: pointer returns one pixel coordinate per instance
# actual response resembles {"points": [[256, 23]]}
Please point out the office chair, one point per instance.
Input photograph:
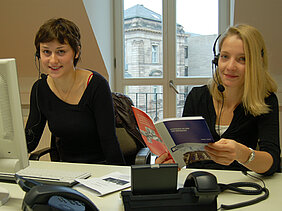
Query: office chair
{"points": [[280, 165], [131, 143]]}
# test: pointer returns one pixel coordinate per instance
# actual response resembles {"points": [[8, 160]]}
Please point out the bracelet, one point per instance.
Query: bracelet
{"points": [[251, 157]]}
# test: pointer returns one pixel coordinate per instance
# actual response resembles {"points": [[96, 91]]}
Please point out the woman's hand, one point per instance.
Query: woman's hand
{"points": [[225, 151], [164, 158]]}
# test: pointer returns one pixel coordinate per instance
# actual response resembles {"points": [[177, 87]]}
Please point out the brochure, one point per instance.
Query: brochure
{"points": [[107, 184], [182, 138]]}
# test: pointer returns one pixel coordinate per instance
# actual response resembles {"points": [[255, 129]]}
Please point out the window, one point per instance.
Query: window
{"points": [[186, 71], [155, 61], [186, 52], [155, 54]]}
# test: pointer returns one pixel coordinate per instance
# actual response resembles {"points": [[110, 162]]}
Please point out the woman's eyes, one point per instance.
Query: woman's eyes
{"points": [[241, 59], [59, 52], [224, 56], [46, 52]]}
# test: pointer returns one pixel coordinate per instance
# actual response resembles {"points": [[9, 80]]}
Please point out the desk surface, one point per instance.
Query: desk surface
{"points": [[114, 201]]}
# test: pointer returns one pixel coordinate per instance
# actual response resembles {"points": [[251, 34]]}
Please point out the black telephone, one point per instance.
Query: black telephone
{"points": [[199, 193], [41, 197], [206, 188]]}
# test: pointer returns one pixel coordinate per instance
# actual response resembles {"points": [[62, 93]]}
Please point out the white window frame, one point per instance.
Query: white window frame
{"points": [[226, 9]]}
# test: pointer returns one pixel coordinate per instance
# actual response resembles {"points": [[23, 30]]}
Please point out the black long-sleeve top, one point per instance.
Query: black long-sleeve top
{"points": [[86, 131], [262, 130]]}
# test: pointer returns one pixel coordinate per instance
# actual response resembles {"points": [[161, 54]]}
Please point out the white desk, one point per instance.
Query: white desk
{"points": [[114, 201]]}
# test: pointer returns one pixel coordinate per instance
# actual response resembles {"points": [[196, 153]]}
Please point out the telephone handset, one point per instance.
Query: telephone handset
{"points": [[205, 187], [44, 197], [41, 197]]}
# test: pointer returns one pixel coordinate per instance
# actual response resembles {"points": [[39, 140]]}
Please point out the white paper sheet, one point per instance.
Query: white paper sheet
{"points": [[107, 184]]}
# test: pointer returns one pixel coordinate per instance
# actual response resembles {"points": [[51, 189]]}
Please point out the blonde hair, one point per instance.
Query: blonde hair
{"points": [[258, 83]]}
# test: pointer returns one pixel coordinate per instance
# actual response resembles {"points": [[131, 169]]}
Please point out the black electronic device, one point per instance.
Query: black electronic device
{"points": [[41, 197], [154, 179], [204, 186], [37, 54], [199, 194], [251, 189], [220, 87], [37, 62], [215, 55], [215, 77]]}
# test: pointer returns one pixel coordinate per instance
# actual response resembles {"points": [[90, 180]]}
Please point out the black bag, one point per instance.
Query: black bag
{"points": [[125, 117]]}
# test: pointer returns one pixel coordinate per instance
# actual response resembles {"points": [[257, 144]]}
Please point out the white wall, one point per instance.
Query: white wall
{"points": [[267, 17], [19, 22], [101, 19]]}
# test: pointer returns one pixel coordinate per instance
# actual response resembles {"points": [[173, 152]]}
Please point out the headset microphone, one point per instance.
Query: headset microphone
{"points": [[220, 87]]}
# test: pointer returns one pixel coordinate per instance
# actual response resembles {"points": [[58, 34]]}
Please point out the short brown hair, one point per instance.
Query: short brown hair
{"points": [[62, 30]]}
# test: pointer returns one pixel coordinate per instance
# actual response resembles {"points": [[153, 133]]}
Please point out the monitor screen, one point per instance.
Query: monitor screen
{"points": [[13, 150]]}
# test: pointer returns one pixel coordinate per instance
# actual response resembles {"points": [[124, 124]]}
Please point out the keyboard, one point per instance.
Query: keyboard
{"points": [[53, 176]]}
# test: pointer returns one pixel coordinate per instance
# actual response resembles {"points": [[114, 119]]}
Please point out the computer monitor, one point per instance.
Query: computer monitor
{"points": [[13, 149]]}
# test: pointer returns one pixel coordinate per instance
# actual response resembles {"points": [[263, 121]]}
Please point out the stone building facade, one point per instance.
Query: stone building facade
{"points": [[144, 55]]}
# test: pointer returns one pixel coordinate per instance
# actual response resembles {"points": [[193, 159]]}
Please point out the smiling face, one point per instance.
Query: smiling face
{"points": [[231, 62], [57, 59]]}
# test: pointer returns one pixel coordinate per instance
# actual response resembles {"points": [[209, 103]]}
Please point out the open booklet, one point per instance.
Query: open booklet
{"points": [[182, 138], [109, 183]]}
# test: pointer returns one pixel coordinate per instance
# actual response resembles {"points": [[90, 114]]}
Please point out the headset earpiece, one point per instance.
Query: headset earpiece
{"points": [[220, 87], [215, 55], [37, 62], [37, 54], [215, 60]]}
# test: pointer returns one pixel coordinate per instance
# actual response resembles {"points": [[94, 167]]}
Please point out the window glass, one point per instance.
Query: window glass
{"points": [[142, 38], [188, 56], [155, 54], [148, 99], [196, 30]]}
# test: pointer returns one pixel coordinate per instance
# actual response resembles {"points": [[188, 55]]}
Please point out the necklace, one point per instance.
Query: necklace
{"points": [[66, 96]]}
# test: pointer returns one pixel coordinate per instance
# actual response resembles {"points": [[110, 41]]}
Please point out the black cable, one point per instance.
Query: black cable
{"points": [[257, 189], [221, 92], [26, 184], [219, 117], [254, 177], [30, 131], [37, 66]]}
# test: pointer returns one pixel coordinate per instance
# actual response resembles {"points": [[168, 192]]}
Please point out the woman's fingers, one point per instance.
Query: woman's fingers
{"points": [[162, 158]]}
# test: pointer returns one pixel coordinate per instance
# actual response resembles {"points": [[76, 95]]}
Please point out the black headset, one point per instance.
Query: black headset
{"points": [[37, 63], [220, 87], [43, 76], [215, 77], [37, 54]]}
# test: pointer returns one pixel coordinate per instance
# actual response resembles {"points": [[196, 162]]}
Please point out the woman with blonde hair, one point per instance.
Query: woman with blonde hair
{"points": [[239, 105]]}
